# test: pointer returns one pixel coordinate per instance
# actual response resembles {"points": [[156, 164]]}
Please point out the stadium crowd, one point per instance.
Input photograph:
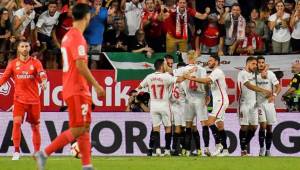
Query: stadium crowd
{"points": [[148, 26]]}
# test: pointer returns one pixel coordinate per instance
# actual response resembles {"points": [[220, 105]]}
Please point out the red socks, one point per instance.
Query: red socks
{"points": [[36, 137], [59, 142], [17, 135], [84, 144]]}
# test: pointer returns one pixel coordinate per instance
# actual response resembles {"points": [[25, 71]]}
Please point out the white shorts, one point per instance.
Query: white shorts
{"points": [[267, 113], [196, 109], [248, 114], [177, 111], [161, 114], [219, 109]]}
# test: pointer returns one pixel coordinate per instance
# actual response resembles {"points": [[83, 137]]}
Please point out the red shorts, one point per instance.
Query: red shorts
{"points": [[80, 108], [32, 110]]}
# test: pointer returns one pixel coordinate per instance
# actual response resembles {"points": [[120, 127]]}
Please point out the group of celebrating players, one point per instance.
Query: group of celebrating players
{"points": [[180, 97], [189, 88]]}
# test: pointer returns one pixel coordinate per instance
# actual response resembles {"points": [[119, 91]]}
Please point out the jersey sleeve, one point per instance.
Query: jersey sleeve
{"points": [[214, 75], [273, 78], [78, 49], [7, 73], [40, 21], [40, 70], [144, 84], [243, 78]]}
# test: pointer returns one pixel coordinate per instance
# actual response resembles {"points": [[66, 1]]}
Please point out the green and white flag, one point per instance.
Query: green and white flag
{"points": [[133, 66]]}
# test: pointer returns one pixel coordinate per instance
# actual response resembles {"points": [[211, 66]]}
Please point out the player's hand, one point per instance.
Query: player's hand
{"points": [[271, 99], [207, 100], [100, 91], [44, 84], [267, 93]]}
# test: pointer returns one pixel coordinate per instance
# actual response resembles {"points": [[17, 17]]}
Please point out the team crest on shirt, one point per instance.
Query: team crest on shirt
{"points": [[31, 67], [81, 50]]}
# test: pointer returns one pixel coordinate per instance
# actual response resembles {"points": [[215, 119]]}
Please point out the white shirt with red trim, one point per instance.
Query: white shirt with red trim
{"points": [[218, 87], [246, 95]]}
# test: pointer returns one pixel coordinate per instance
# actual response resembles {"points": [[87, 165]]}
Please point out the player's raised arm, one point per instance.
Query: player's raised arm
{"points": [[7, 73]]}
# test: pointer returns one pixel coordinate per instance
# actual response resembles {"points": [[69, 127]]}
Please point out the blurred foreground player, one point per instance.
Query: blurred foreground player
{"points": [[27, 73], [76, 77]]}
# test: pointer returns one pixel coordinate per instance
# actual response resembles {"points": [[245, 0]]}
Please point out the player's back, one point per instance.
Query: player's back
{"points": [[194, 90], [219, 86], [178, 94], [246, 95], [159, 85], [73, 48]]}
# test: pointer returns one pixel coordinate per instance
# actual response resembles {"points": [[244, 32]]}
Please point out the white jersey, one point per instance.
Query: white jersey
{"points": [[218, 86], [267, 84], [178, 94], [159, 85], [47, 22], [193, 90], [246, 95]]}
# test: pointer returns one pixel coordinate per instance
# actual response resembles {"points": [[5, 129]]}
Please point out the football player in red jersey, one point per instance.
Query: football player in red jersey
{"points": [[27, 73], [76, 93]]}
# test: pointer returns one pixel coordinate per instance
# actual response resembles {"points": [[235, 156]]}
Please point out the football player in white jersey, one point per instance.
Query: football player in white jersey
{"points": [[218, 88], [159, 84], [177, 109], [196, 100], [266, 109], [248, 114]]}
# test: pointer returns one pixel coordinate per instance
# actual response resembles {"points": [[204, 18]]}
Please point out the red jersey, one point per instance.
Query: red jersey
{"points": [[253, 40], [74, 47], [27, 76], [170, 22]]}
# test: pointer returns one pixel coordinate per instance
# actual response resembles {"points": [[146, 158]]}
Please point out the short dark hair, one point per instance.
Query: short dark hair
{"points": [[260, 57], [158, 63], [52, 2], [216, 57], [250, 58], [235, 4], [21, 41], [251, 22], [169, 56], [79, 11]]}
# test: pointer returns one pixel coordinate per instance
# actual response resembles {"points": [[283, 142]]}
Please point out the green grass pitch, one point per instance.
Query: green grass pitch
{"points": [[159, 163]]}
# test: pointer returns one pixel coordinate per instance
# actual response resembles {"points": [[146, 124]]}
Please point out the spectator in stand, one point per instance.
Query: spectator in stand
{"points": [[295, 25], [140, 45], [94, 32], [220, 11], [65, 22], [44, 26], [267, 10], [212, 38], [247, 6], [261, 28], [279, 24], [5, 34], [133, 14], [152, 23], [23, 21], [235, 25], [176, 25], [115, 40], [252, 44], [289, 6], [9, 5]]}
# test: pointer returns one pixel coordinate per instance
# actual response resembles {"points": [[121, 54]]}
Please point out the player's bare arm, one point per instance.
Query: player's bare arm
{"points": [[255, 88], [85, 72]]}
